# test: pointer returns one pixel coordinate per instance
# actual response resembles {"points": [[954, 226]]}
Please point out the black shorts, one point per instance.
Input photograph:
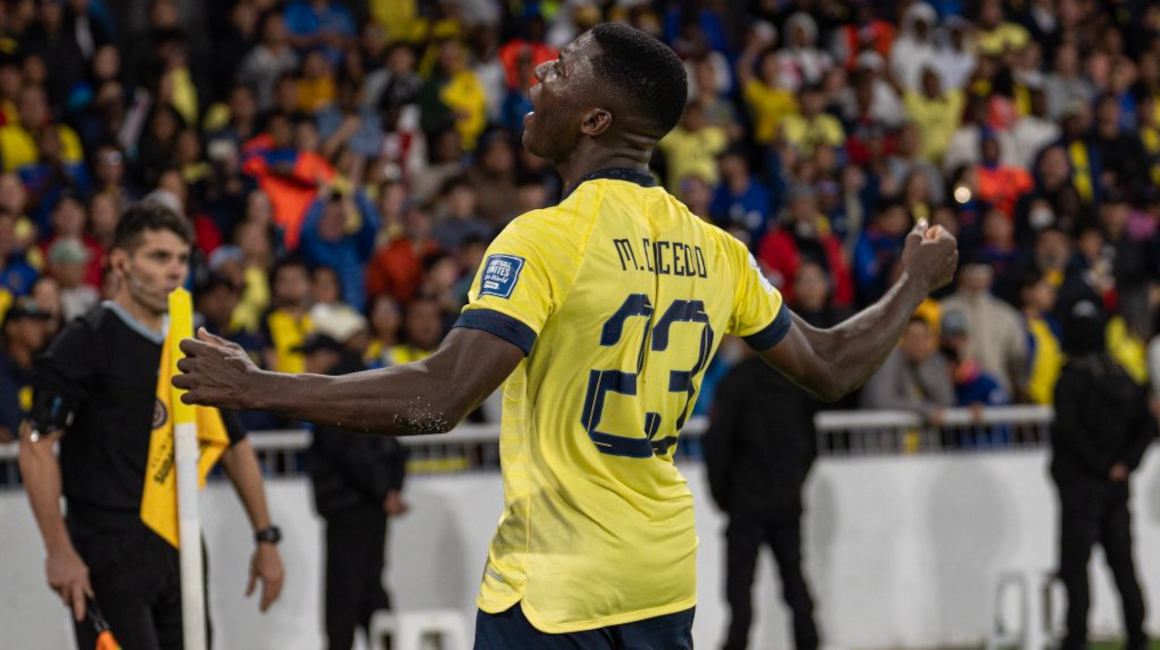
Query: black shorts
{"points": [[510, 630]]}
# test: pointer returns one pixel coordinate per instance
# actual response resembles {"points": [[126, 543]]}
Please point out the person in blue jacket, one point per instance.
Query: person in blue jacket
{"points": [[325, 240]]}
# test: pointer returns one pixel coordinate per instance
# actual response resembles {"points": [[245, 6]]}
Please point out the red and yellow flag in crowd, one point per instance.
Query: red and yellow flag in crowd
{"points": [[159, 503]]}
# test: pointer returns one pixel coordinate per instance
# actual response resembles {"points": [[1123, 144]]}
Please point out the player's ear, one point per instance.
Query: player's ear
{"points": [[118, 258], [596, 122]]}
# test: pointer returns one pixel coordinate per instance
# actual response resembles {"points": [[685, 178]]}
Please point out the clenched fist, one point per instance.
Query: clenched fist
{"points": [[931, 256]]}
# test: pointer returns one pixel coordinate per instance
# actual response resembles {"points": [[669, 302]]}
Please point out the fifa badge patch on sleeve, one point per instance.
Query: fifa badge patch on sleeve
{"points": [[500, 275]]}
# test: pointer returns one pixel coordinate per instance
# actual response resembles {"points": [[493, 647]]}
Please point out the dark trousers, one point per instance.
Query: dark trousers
{"points": [[745, 537], [354, 574], [136, 577], [1089, 514], [510, 630]]}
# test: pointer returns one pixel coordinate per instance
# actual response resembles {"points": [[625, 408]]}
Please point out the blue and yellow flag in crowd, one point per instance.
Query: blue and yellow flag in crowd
{"points": [[159, 503]]}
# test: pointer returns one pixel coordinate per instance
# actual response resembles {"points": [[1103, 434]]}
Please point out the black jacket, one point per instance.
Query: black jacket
{"points": [[1101, 418], [760, 444], [353, 471]]}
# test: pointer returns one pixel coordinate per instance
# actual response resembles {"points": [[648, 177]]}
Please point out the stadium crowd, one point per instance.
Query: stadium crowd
{"points": [[345, 164]]}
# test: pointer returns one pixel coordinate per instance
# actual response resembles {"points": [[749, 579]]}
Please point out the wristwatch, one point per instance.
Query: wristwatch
{"points": [[270, 534]]}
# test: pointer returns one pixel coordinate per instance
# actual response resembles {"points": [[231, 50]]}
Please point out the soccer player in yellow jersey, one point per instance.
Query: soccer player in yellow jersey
{"points": [[598, 317]]}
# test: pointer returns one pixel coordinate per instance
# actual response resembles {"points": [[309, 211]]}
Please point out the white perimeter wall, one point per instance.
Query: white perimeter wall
{"points": [[901, 553]]}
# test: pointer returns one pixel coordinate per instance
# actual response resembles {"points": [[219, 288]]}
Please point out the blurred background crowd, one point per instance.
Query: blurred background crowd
{"points": [[346, 162]]}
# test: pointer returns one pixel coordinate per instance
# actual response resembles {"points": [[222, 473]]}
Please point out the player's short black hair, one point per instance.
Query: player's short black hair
{"points": [[148, 215], [643, 68]]}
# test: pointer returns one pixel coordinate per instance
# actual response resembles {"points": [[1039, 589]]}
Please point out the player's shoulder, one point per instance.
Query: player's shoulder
{"points": [[554, 225], [720, 240], [97, 319], [88, 330]]}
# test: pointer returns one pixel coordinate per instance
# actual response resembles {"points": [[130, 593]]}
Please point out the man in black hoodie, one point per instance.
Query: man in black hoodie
{"points": [[1102, 427], [358, 481], [758, 451]]}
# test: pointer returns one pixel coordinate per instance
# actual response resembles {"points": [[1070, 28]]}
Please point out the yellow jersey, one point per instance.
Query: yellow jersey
{"points": [[619, 297], [769, 107], [284, 333], [693, 153], [1046, 361]]}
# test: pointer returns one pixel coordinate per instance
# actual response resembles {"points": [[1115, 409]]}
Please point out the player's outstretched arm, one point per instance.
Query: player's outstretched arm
{"points": [[831, 363], [429, 396]]}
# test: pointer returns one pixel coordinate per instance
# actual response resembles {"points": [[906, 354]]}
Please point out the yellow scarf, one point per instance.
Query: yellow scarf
{"points": [[1081, 174], [159, 503]]}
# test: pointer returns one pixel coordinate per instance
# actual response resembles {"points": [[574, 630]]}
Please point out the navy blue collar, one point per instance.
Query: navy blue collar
{"points": [[640, 177]]}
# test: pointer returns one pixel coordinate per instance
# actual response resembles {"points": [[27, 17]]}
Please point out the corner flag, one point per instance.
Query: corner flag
{"points": [[159, 503]]}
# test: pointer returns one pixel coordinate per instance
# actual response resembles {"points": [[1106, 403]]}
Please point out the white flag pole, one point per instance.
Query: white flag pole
{"points": [[186, 454], [189, 531]]}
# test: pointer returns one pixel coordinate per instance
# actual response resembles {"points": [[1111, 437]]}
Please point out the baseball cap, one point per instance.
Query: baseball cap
{"points": [[223, 255], [25, 308], [68, 250], [953, 323]]}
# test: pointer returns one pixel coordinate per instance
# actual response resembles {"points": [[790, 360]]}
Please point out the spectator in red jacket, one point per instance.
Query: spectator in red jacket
{"points": [[806, 235], [397, 268]]}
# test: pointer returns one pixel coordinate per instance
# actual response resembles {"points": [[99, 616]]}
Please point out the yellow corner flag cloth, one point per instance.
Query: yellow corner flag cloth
{"points": [[159, 503]]}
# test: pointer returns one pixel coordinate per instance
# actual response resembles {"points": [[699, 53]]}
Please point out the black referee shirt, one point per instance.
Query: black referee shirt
{"points": [[105, 366]]}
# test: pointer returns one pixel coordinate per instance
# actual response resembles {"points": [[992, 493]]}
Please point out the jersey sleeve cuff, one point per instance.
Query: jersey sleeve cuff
{"points": [[773, 333], [500, 324]]}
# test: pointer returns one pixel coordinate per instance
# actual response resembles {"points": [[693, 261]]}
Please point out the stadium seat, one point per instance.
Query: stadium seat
{"points": [[1038, 627], [443, 629]]}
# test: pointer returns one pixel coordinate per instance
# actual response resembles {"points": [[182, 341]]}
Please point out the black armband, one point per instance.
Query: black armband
{"points": [[51, 412]]}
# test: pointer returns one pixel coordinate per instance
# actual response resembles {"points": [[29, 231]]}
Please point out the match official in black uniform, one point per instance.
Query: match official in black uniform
{"points": [[758, 452], [358, 483], [1102, 427], [95, 392]]}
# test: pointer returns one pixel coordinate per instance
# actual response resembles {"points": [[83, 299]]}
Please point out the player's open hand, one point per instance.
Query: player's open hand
{"points": [[266, 566], [931, 255], [68, 575], [215, 372]]}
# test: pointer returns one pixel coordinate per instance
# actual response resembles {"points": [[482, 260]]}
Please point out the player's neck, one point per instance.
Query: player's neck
{"points": [[142, 314], [632, 153]]}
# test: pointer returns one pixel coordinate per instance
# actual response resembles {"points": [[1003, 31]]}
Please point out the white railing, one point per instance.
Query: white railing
{"points": [[860, 433], [831, 421], [861, 428]]}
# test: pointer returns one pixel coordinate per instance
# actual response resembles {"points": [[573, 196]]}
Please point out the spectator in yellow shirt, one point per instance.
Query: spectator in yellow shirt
{"points": [[1127, 334], [398, 17], [691, 149], [1045, 351], [997, 36], [936, 113], [454, 96], [316, 87], [813, 126], [18, 142], [767, 102]]}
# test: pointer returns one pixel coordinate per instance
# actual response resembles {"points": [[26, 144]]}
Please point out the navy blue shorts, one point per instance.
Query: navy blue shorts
{"points": [[510, 630]]}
